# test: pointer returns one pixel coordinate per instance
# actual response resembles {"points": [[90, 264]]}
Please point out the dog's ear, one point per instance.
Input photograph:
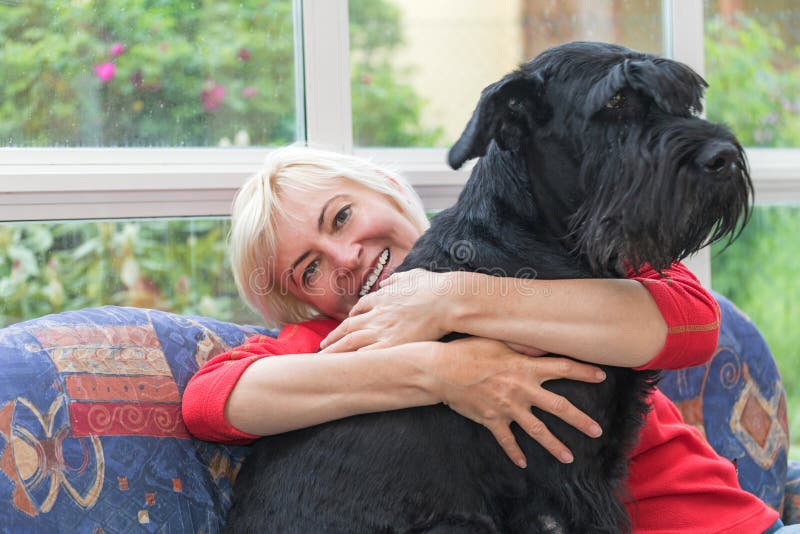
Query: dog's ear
{"points": [[507, 112], [673, 86]]}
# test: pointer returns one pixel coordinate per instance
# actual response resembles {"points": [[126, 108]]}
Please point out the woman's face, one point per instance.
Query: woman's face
{"points": [[334, 246]]}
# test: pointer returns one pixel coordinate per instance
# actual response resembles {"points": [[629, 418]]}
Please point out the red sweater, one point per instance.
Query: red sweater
{"points": [[677, 483]]}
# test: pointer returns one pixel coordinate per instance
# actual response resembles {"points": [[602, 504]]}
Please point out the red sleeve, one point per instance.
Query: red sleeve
{"points": [[207, 392], [691, 313]]}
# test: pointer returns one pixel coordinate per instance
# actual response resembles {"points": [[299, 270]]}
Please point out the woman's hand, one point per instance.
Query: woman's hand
{"points": [[487, 382], [409, 306]]}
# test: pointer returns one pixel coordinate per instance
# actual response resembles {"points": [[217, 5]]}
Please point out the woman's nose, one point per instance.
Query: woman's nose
{"points": [[347, 256]]}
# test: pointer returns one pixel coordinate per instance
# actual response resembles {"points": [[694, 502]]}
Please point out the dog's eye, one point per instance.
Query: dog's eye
{"points": [[617, 101], [515, 105]]}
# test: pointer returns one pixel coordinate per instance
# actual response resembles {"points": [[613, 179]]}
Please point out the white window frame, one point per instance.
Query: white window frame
{"points": [[82, 183]]}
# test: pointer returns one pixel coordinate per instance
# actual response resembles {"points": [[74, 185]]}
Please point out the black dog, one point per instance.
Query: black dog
{"points": [[593, 160]]}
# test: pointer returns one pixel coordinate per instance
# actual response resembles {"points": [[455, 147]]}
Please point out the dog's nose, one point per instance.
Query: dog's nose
{"points": [[718, 157]]}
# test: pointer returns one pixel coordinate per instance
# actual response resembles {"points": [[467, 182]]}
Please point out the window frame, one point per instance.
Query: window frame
{"points": [[85, 183]]}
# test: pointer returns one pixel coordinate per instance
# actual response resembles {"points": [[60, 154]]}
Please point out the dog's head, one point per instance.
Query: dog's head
{"points": [[611, 138]]}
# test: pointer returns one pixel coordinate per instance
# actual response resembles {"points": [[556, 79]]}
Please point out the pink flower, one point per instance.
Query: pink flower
{"points": [[244, 54], [249, 92], [212, 96], [105, 71], [117, 49]]}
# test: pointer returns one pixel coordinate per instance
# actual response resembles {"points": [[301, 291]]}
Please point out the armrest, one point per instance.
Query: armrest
{"points": [[91, 435]]}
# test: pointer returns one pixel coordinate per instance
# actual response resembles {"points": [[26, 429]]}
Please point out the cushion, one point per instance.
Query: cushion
{"points": [[738, 402], [91, 435]]}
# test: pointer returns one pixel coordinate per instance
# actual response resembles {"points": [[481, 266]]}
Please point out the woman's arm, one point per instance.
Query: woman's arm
{"points": [[480, 379], [633, 322], [253, 391], [607, 321]]}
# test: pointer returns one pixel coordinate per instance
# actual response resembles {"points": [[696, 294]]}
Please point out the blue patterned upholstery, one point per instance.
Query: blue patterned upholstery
{"points": [[91, 438]]}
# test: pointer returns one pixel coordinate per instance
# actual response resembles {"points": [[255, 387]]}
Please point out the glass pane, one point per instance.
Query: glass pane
{"points": [[760, 273], [752, 50], [87, 73], [418, 66], [177, 265]]}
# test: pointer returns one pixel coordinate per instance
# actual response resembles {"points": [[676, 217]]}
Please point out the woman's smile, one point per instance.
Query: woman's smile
{"points": [[337, 245]]}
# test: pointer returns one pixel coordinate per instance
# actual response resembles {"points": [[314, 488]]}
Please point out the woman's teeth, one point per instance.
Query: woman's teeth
{"points": [[376, 272]]}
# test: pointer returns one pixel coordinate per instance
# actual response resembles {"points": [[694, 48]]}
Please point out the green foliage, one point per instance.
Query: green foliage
{"points": [[169, 59], [754, 82], [178, 265], [375, 85]]}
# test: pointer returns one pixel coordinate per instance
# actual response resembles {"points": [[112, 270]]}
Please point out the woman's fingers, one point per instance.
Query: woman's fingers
{"points": [[562, 408], [351, 341], [486, 382], [552, 368], [502, 433], [526, 350], [536, 429], [363, 305], [348, 326]]}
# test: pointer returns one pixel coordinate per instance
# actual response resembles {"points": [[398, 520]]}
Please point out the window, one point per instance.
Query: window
{"points": [[139, 73], [418, 67], [752, 54]]}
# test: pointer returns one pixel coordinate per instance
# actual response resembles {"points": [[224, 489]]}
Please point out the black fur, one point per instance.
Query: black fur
{"points": [[593, 160]]}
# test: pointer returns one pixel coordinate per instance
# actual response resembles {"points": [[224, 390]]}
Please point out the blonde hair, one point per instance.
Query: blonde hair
{"points": [[257, 207]]}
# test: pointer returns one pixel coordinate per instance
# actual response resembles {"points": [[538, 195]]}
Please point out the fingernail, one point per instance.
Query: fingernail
{"points": [[323, 343], [595, 430], [522, 464], [600, 375], [566, 457]]}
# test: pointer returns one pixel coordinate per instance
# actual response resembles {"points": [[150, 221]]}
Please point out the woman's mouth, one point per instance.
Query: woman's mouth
{"points": [[383, 260]]}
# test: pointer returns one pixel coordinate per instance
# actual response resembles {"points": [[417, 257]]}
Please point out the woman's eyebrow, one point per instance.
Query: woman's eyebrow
{"points": [[325, 207], [320, 222], [297, 262]]}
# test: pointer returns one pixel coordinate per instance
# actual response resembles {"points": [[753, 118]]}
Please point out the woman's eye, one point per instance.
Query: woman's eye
{"points": [[309, 272], [616, 102], [341, 216]]}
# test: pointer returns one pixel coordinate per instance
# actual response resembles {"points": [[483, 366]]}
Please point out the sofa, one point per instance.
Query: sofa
{"points": [[91, 436]]}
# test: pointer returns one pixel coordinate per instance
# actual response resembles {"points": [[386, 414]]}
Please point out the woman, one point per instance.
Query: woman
{"points": [[314, 239]]}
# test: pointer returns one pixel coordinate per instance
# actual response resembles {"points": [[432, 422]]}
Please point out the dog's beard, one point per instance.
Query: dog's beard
{"points": [[645, 213]]}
